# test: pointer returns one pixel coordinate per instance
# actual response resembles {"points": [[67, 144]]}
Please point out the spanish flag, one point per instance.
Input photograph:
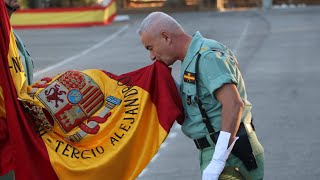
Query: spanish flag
{"points": [[88, 124]]}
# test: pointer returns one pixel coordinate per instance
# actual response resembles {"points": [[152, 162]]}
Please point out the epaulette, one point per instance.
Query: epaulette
{"points": [[204, 50]]}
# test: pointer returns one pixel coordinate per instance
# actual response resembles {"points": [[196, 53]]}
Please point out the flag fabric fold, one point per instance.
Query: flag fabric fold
{"points": [[88, 124]]}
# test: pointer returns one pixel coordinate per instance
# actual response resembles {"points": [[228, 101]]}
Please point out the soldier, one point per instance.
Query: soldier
{"points": [[218, 114]]}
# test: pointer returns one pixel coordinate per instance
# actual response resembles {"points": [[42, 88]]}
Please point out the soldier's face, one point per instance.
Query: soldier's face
{"points": [[13, 3], [159, 48]]}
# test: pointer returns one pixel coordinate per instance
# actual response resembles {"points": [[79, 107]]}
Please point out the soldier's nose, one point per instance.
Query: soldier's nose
{"points": [[152, 56]]}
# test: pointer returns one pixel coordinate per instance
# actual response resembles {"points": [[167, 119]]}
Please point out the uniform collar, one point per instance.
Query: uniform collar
{"points": [[194, 48]]}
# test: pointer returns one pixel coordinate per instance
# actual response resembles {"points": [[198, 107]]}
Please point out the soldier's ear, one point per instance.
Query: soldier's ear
{"points": [[165, 35]]}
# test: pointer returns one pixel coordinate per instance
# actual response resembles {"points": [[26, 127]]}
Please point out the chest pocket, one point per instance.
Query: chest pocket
{"points": [[189, 91]]}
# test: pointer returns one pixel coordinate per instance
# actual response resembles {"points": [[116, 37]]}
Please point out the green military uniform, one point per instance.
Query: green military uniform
{"points": [[215, 69], [25, 58]]}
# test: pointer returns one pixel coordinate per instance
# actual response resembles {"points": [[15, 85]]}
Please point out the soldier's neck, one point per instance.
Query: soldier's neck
{"points": [[185, 43]]}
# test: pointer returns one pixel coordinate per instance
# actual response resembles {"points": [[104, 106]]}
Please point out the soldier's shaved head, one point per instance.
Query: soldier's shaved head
{"points": [[156, 22]]}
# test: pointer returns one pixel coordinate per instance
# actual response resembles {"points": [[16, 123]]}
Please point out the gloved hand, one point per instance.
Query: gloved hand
{"points": [[219, 158]]}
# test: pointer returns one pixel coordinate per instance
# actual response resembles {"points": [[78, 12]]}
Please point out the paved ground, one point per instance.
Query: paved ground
{"points": [[278, 53]]}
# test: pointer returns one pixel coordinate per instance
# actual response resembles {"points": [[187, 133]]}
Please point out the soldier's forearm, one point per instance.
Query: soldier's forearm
{"points": [[231, 118]]}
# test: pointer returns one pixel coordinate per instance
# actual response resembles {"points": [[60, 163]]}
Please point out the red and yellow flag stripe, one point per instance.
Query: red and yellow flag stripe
{"points": [[64, 17], [16, 139]]}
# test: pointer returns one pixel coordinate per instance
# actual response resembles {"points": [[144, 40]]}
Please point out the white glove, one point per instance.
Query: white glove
{"points": [[219, 158]]}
